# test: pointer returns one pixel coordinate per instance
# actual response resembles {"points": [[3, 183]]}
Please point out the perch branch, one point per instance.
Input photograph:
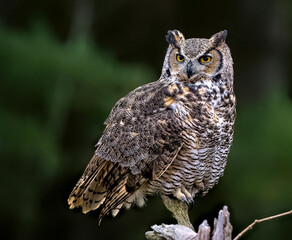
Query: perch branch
{"points": [[259, 221], [185, 231], [179, 210]]}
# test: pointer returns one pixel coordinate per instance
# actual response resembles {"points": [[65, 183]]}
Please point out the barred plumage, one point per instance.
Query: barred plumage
{"points": [[169, 137]]}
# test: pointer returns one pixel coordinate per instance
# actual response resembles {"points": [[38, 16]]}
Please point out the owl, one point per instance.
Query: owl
{"points": [[169, 137]]}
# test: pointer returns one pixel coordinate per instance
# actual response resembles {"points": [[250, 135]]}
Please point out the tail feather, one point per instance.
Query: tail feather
{"points": [[104, 185], [116, 197], [120, 193], [93, 199], [90, 183], [95, 194]]}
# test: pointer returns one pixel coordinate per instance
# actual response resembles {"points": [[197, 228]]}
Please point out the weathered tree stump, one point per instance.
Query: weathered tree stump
{"points": [[184, 230]]}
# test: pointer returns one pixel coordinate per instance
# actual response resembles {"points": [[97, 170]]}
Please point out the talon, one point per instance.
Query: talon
{"points": [[184, 196], [188, 201], [191, 203], [185, 200], [188, 196]]}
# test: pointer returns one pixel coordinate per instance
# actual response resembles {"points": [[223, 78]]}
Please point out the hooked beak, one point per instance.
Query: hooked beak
{"points": [[190, 70]]}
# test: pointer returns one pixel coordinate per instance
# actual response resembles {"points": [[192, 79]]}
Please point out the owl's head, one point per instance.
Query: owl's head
{"points": [[187, 59]]}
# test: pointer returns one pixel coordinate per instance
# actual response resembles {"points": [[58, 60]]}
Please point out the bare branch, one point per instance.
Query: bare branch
{"points": [[185, 231], [259, 221], [179, 210]]}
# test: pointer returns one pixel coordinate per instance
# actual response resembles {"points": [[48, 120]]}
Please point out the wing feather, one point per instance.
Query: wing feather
{"points": [[142, 138], [142, 131]]}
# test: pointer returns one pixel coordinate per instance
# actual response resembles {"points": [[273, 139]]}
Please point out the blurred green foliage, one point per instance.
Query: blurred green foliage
{"points": [[54, 98], [258, 175]]}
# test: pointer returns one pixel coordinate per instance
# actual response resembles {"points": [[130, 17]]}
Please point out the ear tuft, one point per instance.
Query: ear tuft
{"points": [[175, 38], [219, 38]]}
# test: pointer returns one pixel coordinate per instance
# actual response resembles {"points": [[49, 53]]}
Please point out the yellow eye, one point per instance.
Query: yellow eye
{"points": [[180, 58], [205, 59]]}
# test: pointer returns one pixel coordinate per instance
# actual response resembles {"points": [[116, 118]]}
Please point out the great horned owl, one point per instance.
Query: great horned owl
{"points": [[170, 137]]}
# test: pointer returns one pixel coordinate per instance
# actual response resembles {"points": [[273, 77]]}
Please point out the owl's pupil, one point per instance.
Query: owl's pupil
{"points": [[205, 59]]}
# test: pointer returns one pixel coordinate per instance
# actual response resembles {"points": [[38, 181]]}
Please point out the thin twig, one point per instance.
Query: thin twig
{"points": [[260, 220]]}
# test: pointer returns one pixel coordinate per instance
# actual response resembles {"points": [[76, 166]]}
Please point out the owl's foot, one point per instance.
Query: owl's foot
{"points": [[189, 197], [183, 195], [191, 203]]}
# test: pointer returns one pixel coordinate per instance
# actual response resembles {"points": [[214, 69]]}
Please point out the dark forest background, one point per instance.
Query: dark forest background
{"points": [[63, 64]]}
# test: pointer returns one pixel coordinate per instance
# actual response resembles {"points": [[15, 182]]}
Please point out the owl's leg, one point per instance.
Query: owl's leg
{"points": [[183, 195]]}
